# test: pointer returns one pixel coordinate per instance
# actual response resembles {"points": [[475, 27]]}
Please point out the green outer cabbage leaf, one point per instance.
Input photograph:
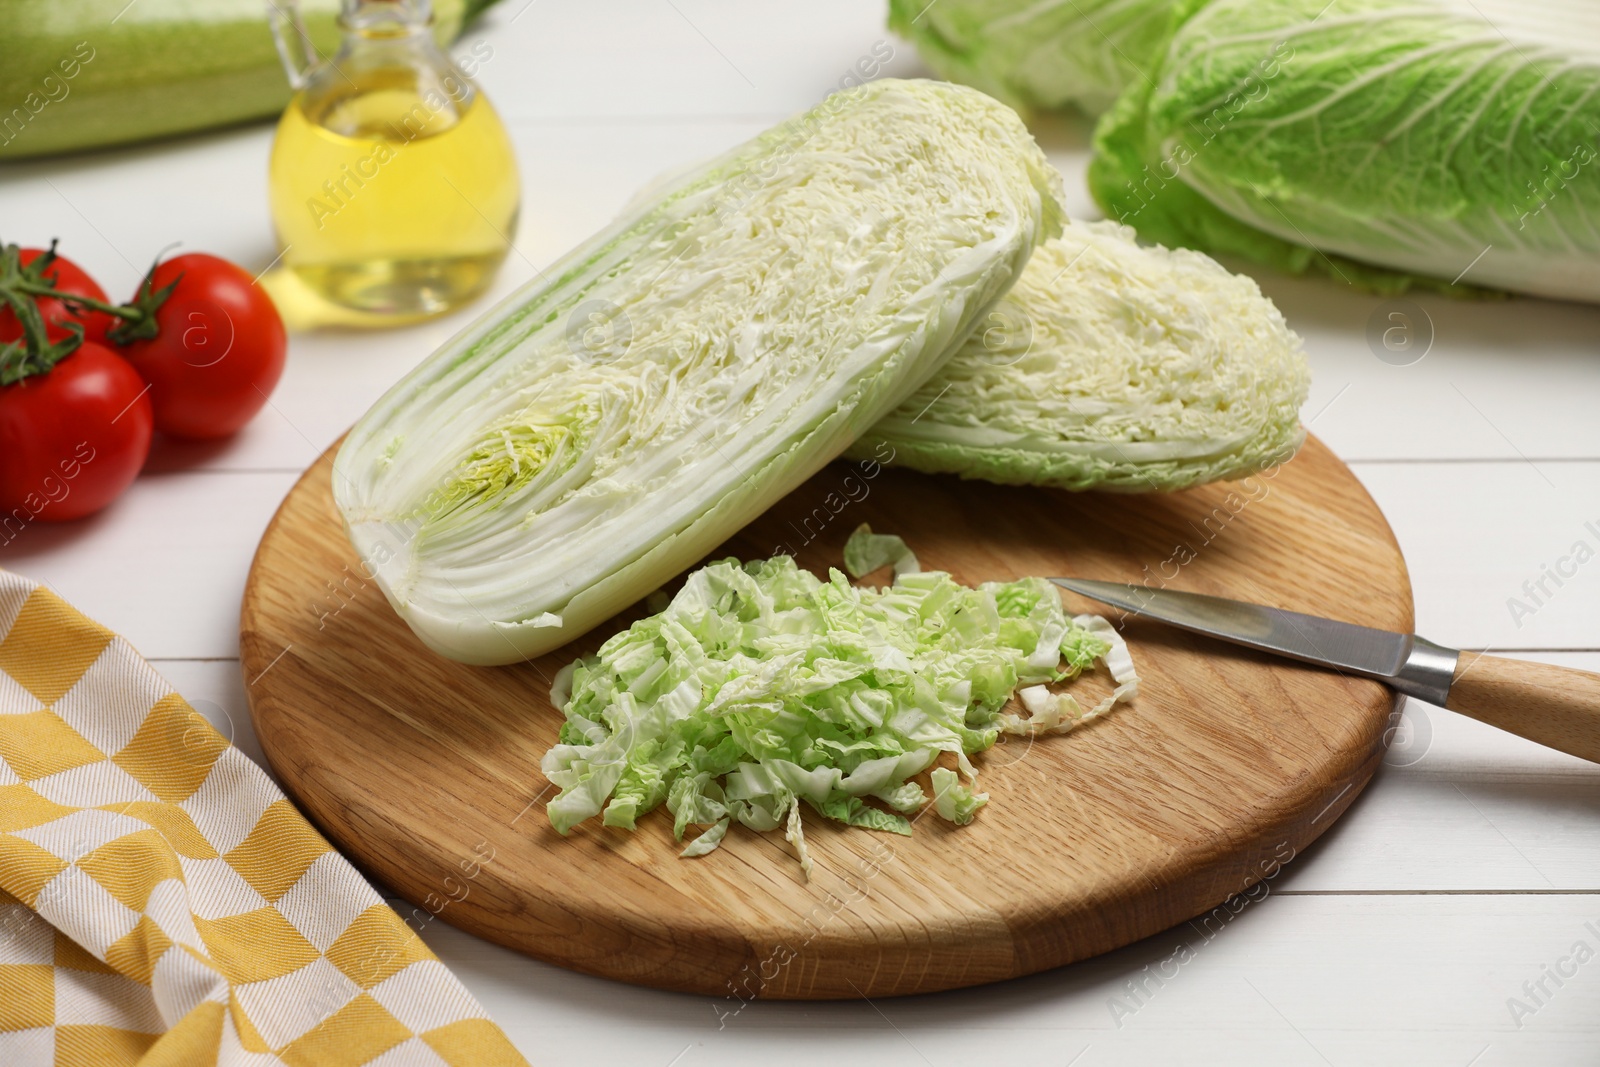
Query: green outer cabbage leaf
{"points": [[1038, 54], [1110, 366], [614, 420], [1376, 140], [761, 686]]}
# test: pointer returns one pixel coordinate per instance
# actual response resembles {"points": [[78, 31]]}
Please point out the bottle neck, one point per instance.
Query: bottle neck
{"points": [[386, 18]]}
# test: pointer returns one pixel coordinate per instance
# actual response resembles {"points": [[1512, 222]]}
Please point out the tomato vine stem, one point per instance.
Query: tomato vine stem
{"points": [[22, 285]]}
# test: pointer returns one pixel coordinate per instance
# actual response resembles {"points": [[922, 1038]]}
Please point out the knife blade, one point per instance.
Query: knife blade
{"points": [[1554, 706], [1407, 663]]}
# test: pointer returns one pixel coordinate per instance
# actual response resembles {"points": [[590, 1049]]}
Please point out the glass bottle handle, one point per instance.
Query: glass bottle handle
{"points": [[294, 43]]}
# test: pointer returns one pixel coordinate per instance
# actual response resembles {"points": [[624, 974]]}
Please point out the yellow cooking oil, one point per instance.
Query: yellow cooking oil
{"points": [[394, 195]]}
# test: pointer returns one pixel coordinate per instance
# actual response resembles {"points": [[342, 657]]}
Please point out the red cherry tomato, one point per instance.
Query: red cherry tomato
{"points": [[67, 276], [219, 351], [71, 438]]}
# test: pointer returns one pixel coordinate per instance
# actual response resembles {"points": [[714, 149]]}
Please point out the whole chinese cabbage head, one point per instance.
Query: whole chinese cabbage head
{"points": [[1379, 141], [1038, 54]]}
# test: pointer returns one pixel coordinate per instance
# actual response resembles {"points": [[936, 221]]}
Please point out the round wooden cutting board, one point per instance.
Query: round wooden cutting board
{"points": [[426, 772]]}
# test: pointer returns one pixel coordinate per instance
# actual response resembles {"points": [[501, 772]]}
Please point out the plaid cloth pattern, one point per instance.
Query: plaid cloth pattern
{"points": [[162, 903]]}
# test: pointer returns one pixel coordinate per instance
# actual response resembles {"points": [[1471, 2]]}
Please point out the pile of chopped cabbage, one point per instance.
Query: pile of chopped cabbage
{"points": [[761, 686]]}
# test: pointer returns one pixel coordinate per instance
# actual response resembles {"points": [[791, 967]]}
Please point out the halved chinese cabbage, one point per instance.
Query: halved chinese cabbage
{"points": [[1111, 366], [666, 381]]}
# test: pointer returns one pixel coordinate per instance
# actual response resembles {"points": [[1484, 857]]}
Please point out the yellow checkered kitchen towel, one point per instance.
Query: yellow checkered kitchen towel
{"points": [[162, 903]]}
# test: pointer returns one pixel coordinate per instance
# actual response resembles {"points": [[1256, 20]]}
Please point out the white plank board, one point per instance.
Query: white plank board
{"points": [[1366, 952], [165, 565], [1461, 806], [1474, 533], [1503, 379], [581, 63], [1315, 980]]}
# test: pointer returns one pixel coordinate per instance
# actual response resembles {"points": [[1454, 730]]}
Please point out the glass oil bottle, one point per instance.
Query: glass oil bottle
{"points": [[393, 185]]}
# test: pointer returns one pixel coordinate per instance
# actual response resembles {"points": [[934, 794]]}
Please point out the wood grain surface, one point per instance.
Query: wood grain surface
{"points": [[426, 772]]}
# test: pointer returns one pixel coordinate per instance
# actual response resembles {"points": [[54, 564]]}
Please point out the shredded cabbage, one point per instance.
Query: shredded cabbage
{"points": [[761, 686], [1110, 366], [667, 381], [954, 801], [866, 551]]}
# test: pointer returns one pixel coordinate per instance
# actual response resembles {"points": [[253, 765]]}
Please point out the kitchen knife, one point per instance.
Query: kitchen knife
{"points": [[1555, 706]]}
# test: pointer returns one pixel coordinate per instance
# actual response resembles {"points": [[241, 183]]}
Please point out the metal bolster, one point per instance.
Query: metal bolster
{"points": [[1428, 671]]}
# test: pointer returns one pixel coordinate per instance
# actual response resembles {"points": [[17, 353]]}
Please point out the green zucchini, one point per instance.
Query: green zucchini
{"points": [[89, 73]]}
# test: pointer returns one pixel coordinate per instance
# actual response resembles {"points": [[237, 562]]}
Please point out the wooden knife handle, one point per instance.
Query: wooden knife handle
{"points": [[1555, 706]]}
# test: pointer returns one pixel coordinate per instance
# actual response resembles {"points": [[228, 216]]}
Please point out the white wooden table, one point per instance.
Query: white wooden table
{"points": [[1406, 935]]}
